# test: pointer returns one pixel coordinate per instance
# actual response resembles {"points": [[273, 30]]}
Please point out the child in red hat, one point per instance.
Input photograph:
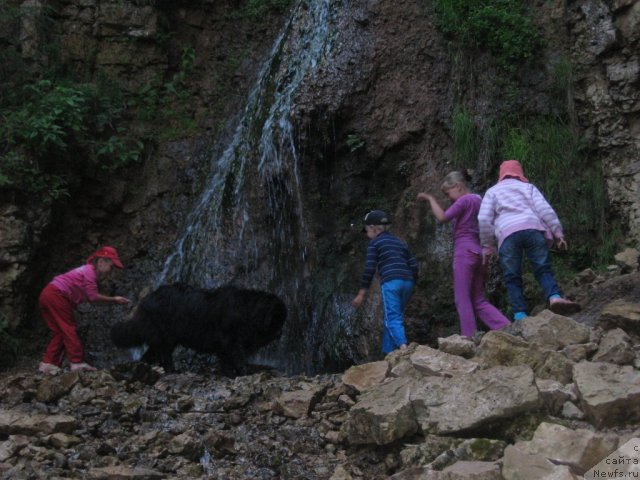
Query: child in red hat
{"points": [[60, 298]]}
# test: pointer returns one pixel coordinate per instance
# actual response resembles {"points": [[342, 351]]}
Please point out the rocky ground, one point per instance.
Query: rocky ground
{"points": [[547, 398]]}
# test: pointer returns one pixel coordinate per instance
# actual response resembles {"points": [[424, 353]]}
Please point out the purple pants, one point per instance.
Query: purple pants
{"points": [[468, 290]]}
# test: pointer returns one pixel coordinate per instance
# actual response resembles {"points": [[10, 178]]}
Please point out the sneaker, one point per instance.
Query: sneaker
{"points": [[82, 366], [562, 306], [48, 368]]}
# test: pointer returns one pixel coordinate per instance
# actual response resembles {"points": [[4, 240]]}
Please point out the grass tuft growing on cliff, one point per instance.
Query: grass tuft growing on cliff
{"points": [[505, 28], [465, 141], [556, 162]]}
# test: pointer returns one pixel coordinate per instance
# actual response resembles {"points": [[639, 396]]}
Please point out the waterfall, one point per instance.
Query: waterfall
{"points": [[248, 226]]}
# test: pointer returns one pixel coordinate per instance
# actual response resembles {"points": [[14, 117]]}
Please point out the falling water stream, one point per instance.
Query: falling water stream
{"points": [[248, 226]]}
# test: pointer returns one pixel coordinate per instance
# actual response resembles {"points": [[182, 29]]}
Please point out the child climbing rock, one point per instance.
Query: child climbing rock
{"points": [[398, 270], [469, 271], [60, 298], [516, 214]]}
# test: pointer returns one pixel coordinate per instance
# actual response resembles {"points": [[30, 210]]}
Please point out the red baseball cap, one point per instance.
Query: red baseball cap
{"points": [[107, 252]]}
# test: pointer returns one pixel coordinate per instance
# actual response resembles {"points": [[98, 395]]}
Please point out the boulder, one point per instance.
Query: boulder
{"points": [[361, 377], [519, 465], [577, 353], [472, 470], [383, 414], [554, 394], [121, 471], [622, 463], [615, 347], [500, 348], [482, 449], [341, 473], [571, 411], [556, 366], [473, 401], [428, 450], [12, 445], [417, 473], [54, 388], [440, 405], [187, 445], [627, 259], [457, 345], [578, 449], [64, 440], [14, 423], [609, 394], [430, 361], [299, 403], [621, 314], [553, 332]]}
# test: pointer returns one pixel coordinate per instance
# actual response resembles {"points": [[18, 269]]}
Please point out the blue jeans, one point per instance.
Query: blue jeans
{"points": [[395, 296], [512, 250]]}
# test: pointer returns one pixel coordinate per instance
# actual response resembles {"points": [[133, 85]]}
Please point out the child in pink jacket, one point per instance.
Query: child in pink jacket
{"points": [[517, 215], [60, 298]]}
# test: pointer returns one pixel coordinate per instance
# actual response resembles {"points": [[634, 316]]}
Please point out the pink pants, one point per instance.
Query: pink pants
{"points": [[57, 312], [468, 290]]}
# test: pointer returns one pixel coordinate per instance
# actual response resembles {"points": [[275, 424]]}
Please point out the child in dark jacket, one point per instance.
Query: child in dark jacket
{"points": [[398, 270]]}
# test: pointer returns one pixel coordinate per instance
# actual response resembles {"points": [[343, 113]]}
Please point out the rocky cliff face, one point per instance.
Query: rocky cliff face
{"points": [[373, 127], [140, 209], [604, 49]]}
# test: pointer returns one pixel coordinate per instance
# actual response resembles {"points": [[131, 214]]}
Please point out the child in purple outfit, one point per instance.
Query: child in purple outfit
{"points": [[469, 272]]}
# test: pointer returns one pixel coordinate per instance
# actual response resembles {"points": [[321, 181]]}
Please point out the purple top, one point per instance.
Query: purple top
{"points": [[463, 213]]}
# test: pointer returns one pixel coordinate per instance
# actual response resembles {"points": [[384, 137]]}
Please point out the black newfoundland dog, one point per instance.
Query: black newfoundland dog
{"points": [[228, 321]]}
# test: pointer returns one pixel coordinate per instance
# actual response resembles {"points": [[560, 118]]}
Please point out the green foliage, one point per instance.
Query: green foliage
{"points": [[355, 142], [562, 75], [503, 27], [47, 117], [17, 171], [555, 161], [465, 138], [55, 126], [167, 104], [120, 150], [52, 119]]}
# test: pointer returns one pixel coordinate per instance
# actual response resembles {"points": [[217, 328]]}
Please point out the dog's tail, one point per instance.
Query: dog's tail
{"points": [[127, 335]]}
